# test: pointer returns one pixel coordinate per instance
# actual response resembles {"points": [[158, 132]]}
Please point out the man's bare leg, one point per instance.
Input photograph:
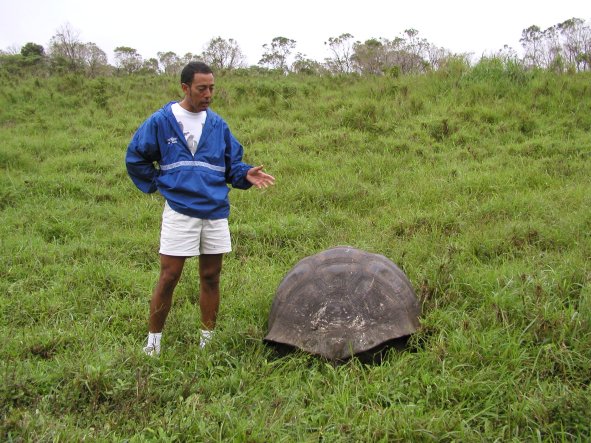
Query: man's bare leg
{"points": [[171, 269], [210, 269]]}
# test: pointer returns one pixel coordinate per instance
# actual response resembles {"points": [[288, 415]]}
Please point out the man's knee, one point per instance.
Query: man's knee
{"points": [[210, 277], [170, 276], [210, 268]]}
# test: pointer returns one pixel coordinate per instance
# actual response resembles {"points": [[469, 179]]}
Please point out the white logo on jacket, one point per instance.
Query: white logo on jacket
{"points": [[172, 140]]}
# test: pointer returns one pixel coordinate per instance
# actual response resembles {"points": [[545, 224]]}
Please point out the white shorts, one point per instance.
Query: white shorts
{"points": [[185, 236]]}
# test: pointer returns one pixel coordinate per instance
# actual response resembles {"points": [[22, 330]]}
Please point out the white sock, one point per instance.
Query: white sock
{"points": [[154, 340], [206, 335]]}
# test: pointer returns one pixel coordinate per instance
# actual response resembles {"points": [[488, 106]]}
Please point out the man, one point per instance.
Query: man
{"points": [[197, 157]]}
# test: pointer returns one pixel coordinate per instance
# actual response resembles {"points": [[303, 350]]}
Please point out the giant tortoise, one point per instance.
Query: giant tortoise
{"points": [[342, 302]]}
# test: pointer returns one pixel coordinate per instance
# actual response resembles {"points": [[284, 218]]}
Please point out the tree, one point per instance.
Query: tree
{"points": [[170, 63], [508, 55], [369, 57], [566, 45], [576, 42], [95, 60], [127, 59], [32, 54], [150, 66], [189, 57], [276, 54], [414, 50], [32, 50], [304, 65], [65, 49], [397, 56], [552, 54], [67, 53], [342, 54], [223, 54], [531, 40], [438, 56]]}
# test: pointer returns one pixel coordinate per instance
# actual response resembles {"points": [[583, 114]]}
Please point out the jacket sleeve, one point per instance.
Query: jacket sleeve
{"points": [[235, 169], [142, 152]]}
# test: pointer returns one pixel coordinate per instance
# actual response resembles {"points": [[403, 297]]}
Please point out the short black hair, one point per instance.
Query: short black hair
{"points": [[193, 68]]}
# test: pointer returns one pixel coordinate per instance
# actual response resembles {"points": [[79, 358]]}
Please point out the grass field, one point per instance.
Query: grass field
{"points": [[476, 183]]}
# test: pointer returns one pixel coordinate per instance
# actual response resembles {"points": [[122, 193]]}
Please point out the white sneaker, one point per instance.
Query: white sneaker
{"points": [[152, 350], [206, 337]]}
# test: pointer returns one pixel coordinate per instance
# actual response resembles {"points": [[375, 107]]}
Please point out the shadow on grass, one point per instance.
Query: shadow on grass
{"points": [[373, 356]]}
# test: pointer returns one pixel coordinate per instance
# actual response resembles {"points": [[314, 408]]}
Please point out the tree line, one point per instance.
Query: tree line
{"points": [[562, 47]]}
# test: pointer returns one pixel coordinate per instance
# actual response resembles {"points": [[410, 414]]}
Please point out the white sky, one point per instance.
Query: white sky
{"points": [[151, 26]]}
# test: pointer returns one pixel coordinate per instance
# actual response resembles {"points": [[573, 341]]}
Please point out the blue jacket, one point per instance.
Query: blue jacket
{"points": [[192, 185]]}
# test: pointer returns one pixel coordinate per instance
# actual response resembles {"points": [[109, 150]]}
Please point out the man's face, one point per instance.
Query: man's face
{"points": [[198, 94]]}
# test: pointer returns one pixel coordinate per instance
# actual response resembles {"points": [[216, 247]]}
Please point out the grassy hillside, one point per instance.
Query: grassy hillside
{"points": [[476, 184]]}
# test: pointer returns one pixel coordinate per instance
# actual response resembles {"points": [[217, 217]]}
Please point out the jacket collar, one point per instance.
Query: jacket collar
{"points": [[210, 122]]}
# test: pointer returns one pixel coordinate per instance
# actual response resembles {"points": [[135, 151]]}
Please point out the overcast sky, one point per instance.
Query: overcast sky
{"points": [[149, 26]]}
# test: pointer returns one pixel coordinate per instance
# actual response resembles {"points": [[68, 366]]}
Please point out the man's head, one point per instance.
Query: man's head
{"points": [[197, 83]]}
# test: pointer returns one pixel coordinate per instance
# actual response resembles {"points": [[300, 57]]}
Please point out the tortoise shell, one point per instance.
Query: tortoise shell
{"points": [[342, 302]]}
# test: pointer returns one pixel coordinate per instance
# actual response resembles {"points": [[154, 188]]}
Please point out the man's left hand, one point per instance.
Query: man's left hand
{"points": [[258, 178]]}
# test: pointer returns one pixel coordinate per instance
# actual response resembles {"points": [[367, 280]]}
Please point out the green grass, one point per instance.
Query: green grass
{"points": [[476, 184]]}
